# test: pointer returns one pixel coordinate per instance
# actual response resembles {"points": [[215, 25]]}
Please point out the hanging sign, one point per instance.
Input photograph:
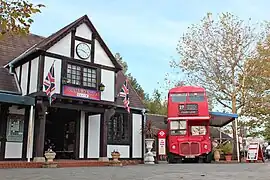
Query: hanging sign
{"points": [[161, 142], [81, 93]]}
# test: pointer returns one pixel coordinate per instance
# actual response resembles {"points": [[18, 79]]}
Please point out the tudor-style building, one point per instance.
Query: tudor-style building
{"points": [[85, 121]]}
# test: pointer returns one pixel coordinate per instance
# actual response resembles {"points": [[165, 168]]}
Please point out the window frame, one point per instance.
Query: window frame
{"points": [[112, 130], [21, 119], [81, 65], [175, 134]]}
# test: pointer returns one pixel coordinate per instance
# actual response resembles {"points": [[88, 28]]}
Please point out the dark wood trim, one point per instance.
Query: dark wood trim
{"points": [[25, 132], [142, 136], [77, 140], [130, 117], [72, 44], [88, 41], [39, 130], [86, 130], [58, 56], [20, 75], [103, 136], [4, 109], [40, 73], [28, 77], [93, 48]]}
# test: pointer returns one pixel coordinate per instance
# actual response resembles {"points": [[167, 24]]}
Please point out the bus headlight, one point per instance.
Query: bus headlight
{"points": [[173, 147], [205, 146]]}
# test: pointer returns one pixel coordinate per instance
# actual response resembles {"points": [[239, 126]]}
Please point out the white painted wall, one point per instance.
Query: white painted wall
{"points": [[62, 47], [107, 78], [24, 78], [136, 136], [34, 76], [93, 136], [84, 31], [101, 57], [13, 150], [123, 149], [17, 70], [57, 71], [82, 130]]}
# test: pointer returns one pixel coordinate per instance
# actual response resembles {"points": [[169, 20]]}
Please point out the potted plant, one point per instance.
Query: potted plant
{"points": [[115, 155], [227, 150], [149, 132]]}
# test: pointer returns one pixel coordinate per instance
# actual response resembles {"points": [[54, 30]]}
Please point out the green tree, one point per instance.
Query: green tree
{"points": [[156, 105], [212, 54], [16, 16]]}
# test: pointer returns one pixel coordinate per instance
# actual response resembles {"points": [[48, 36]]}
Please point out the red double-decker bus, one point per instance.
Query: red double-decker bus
{"points": [[188, 125]]}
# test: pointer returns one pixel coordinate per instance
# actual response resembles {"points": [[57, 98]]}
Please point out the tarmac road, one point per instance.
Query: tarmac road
{"points": [[146, 172]]}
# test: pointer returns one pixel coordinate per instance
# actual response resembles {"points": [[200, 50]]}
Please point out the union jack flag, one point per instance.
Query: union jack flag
{"points": [[49, 84], [125, 94]]}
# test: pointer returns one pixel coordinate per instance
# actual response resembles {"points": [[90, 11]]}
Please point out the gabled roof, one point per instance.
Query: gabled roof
{"points": [[11, 46], [48, 42], [8, 82], [134, 98]]}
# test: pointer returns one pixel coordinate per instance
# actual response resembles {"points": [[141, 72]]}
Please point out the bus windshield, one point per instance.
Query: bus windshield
{"points": [[197, 130], [179, 97], [196, 97], [178, 127]]}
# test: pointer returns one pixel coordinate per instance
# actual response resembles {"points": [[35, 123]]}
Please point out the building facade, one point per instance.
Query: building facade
{"points": [[87, 120]]}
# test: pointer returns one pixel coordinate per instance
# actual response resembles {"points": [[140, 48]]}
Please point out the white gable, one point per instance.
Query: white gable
{"points": [[62, 47], [101, 57], [84, 31]]}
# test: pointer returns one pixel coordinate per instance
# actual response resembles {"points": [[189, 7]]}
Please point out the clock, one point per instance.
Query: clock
{"points": [[83, 51]]}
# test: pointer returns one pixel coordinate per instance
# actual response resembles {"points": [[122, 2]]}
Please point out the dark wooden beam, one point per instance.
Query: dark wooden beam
{"points": [[4, 108], [40, 74], [25, 132], [20, 75], [93, 48], [88, 41], [77, 139], [86, 125], [72, 45], [29, 77]]}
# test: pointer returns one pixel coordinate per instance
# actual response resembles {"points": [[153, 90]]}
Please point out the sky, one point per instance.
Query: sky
{"points": [[144, 32]]}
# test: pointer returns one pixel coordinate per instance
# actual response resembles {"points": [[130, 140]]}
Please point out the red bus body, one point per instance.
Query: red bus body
{"points": [[188, 124]]}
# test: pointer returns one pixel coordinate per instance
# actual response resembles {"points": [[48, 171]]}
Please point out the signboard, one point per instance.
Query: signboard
{"points": [[161, 142], [254, 152], [81, 93]]}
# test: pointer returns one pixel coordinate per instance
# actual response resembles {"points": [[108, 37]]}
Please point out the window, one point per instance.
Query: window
{"points": [[15, 125], [118, 129], [198, 130], [81, 76], [180, 97], [196, 97], [178, 127]]}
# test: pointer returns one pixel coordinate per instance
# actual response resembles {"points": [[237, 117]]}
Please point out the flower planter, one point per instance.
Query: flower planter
{"points": [[50, 155], [115, 156], [149, 144], [228, 157]]}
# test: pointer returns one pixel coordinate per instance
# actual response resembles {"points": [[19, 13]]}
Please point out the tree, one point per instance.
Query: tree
{"points": [[133, 81], [213, 54], [16, 16], [155, 105]]}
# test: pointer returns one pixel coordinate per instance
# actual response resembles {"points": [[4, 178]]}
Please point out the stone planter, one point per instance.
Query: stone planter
{"points": [[216, 155], [149, 156], [50, 155], [115, 156]]}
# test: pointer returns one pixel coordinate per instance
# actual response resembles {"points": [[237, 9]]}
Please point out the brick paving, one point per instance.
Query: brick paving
{"points": [[145, 172]]}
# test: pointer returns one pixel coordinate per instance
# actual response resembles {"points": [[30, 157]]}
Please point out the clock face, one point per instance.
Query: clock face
{"points": [[83, 51]]}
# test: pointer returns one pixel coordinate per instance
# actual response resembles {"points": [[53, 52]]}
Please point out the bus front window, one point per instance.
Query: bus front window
{"points": [[178, 127], [198, 130], [196, 97], [179, 97]]}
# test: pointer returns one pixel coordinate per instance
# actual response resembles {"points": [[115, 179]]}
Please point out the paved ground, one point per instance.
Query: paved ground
{"points": [[145, 172]]}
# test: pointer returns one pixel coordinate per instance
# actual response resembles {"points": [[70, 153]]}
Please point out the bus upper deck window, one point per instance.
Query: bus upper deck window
{"points": [[196, 97], [179, 97]]}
